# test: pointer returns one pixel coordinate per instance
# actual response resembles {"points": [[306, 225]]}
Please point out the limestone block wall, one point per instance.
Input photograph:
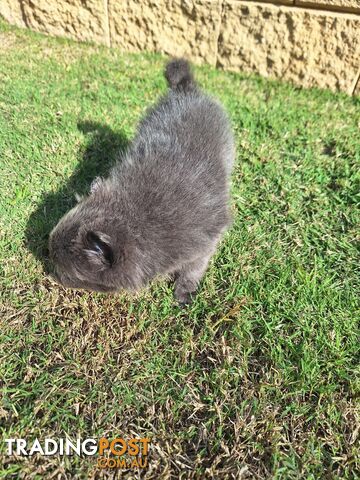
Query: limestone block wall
{"points": [[308, 42]]}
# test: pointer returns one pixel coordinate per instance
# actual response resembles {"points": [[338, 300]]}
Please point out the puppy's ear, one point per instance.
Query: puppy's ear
{"points": [[99, 248]]}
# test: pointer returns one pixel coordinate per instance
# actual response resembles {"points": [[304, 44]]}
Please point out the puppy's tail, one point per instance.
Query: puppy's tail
{"points": [[179, 76]]}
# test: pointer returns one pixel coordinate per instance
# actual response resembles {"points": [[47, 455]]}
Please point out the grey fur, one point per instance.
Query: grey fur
{"points": [[164, 206]]}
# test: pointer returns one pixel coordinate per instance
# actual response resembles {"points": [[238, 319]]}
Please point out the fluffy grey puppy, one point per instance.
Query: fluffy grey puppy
{"points": [[165, 204]]}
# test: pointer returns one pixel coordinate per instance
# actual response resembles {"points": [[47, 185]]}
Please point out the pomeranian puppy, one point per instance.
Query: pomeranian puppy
{"points": [[165, 205]]}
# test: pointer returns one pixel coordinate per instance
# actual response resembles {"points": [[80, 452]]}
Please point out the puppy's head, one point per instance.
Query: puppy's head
{"points": [[87, 247]]}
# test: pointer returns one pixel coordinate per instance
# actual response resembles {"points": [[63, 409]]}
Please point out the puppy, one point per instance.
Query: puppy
{"points": [[165, 204]]}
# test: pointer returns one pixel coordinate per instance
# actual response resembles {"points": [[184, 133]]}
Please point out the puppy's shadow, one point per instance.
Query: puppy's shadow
{"points": [[102, 151]]}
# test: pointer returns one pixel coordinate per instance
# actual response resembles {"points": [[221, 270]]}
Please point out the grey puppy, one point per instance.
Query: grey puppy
{"points": [[164, 206]]}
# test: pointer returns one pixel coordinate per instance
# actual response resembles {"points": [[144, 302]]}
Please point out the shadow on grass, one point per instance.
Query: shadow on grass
{"points": [[101, 153]]}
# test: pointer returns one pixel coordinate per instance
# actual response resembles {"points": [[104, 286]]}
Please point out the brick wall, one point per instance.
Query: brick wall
{"points": [[311, 43]]}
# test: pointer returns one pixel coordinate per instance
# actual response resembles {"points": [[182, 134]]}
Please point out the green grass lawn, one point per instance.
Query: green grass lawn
{"points": [[259, 377]]}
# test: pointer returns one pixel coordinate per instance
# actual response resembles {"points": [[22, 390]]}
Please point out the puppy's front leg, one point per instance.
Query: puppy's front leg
{"points": [[188, 278]]}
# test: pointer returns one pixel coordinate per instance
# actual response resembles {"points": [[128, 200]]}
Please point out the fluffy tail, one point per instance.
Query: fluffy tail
{"points": [[179, 76]]}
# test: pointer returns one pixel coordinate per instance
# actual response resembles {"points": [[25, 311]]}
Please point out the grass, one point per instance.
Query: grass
{"points": [[259, 377]]}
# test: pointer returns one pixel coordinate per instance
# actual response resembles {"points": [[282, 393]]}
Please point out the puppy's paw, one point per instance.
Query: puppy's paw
{"points": [[183, 296], [79, 198], [96, 184]]}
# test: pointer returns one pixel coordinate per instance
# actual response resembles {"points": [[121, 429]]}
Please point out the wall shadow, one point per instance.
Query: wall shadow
{"points": [[101, 153]]}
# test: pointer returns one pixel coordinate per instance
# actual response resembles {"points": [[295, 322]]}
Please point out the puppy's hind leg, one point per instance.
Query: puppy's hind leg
{"points": [[188, 278]]}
